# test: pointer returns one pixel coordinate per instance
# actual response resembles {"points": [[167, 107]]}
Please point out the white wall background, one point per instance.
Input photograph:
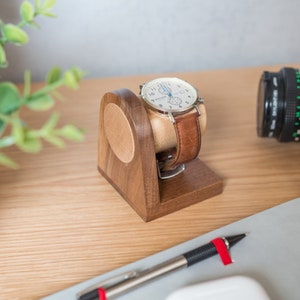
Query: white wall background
{"points": [[126, 37]]}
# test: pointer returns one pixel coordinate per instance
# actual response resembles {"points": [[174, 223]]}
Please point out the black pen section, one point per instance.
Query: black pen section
{"points": [[92, 295], [209, 250], [200, 253]]}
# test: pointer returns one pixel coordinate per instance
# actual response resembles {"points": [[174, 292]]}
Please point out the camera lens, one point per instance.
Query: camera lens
{"points": [[278, 105]]}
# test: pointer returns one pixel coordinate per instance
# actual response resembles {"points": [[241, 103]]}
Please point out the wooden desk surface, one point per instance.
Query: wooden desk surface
{"points": [[62, 223]]}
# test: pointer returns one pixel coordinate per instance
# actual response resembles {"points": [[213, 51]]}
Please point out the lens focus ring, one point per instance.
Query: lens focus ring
{"points": [[278, 105], [290, 104]]}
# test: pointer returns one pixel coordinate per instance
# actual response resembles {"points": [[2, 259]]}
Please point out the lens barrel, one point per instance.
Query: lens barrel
{"points": [[278, 105]]}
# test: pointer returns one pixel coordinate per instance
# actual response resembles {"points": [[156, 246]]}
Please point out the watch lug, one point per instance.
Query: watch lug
{"points": [[171, 117], [141, 86], [197, 109]]}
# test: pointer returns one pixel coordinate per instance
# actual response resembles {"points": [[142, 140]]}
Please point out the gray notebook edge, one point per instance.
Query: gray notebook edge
{"points": [[264, 228]]}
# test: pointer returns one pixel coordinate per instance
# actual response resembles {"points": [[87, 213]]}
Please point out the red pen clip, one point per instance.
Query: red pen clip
{"points": [[222, 247], [102, 294]]}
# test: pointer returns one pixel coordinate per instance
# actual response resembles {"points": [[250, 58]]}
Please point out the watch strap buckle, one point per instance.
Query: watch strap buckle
{"points": [[169, 173]]}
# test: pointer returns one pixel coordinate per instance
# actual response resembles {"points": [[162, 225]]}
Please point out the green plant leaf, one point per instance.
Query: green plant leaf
{"points": [[27, 11], [27, 140], [54, 140], [3, 61], [78, 73], [37, 4], [45, 7], [2, 126], [51, 123], [18, 132], [57, 95], [14, 34], [42, 102], [7, 162], [72, 133], [53, 75], [27, 83], [9, 98], [30, 144], [48, 4], [48, 14], [7, 141], [33, 24], [70, 79]]}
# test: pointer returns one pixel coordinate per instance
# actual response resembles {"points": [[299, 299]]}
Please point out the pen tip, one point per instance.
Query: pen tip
{"points": [[233, 239]]}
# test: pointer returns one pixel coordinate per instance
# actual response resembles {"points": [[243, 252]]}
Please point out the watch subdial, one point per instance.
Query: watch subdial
{"points": [[175, 101]]}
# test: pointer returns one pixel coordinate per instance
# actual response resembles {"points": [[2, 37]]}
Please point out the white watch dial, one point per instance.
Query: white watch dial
{"points": [[169, 94]]}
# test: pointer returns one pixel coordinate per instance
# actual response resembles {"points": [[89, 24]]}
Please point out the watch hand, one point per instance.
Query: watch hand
{"points": [[166, 90]]}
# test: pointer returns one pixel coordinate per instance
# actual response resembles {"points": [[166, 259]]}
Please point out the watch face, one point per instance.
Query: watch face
{"points": [[169, 94]]}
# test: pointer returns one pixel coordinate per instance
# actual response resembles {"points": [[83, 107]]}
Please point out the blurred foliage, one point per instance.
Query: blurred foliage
{"points": [[11, 100]]}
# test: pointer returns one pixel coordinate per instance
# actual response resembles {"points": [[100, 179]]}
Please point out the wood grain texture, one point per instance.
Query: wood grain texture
{"points": [[61, 222], [118, 132], [136, 180]]}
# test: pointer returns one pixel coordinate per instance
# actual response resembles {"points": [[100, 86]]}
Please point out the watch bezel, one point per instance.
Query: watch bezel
{"points": [[164, 110]]}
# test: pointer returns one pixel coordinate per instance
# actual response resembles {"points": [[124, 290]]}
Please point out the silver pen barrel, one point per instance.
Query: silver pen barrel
{"points": [[147, 275]]}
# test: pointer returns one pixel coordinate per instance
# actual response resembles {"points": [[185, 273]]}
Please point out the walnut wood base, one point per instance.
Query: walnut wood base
{"points": [[126, 158]]}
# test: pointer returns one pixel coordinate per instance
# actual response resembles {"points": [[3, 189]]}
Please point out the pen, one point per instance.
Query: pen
{"points": [[217, 246]]}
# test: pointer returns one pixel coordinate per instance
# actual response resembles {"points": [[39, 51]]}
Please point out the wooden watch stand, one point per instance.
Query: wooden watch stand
{"points": [[127, 159]]}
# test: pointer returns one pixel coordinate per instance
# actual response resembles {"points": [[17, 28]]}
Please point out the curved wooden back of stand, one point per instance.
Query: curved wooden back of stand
{"points": [[127, 159]]}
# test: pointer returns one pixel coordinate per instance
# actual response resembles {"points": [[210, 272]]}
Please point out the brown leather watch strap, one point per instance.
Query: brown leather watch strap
{"points": [[188, 133]]}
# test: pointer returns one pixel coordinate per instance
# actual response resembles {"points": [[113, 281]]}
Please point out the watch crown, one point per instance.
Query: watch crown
{"points": [[201, 100]]}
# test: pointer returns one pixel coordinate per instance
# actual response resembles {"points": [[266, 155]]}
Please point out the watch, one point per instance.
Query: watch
{"points": [[178, 99]]}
